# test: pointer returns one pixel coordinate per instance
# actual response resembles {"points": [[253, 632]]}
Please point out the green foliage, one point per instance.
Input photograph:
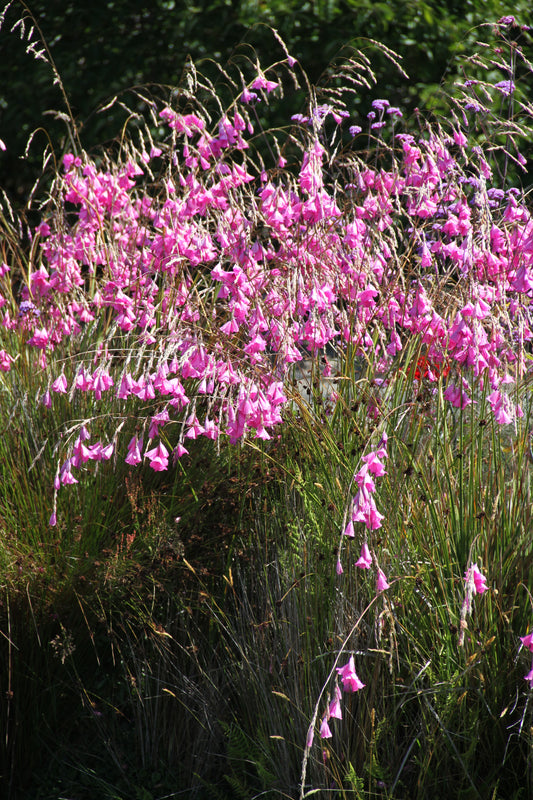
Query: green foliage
{"points": [[245, 761], [355, 782]]}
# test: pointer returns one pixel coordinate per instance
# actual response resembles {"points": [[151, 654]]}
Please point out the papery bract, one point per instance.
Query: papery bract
{"points": [[310, 737], [334, 710]]}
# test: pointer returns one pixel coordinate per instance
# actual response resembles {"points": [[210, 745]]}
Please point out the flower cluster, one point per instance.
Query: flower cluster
{"points": [[350, 683], [363, 509], [213, 316], [218, 315]]}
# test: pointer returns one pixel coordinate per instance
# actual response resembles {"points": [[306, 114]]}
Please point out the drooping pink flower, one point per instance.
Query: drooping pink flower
{"points": [[83, 381], [211, 429], [60, 384], [381, 582], [349, 531], [69, 160], [196, 428], [5, 361], [460, 139], [262, 83], [100, 452], [156, 421], [66, 476], [456, 396], [478, 580], [81, 453], [375, 466], [40, 338], [179, 451], [84, 434], [134, 451], [364, 509], [325, 731], [158, 457], [501, 407], [248, 97], [349, 677], [527, 641], [101, 382], [365, 559]]}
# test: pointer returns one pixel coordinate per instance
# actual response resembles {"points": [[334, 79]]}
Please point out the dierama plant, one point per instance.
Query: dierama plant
{"points": [[201, 319], [201, 290]]}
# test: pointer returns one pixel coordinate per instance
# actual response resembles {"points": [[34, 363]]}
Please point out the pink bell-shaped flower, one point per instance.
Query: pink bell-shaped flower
{"points": [[349, 677], [158, 457], [381, 581], [325, 731], [365, 559]]}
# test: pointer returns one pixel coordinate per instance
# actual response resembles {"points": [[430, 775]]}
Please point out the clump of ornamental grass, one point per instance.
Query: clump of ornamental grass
{"points": [[202, 291], [453, 496], [350, 302]]}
